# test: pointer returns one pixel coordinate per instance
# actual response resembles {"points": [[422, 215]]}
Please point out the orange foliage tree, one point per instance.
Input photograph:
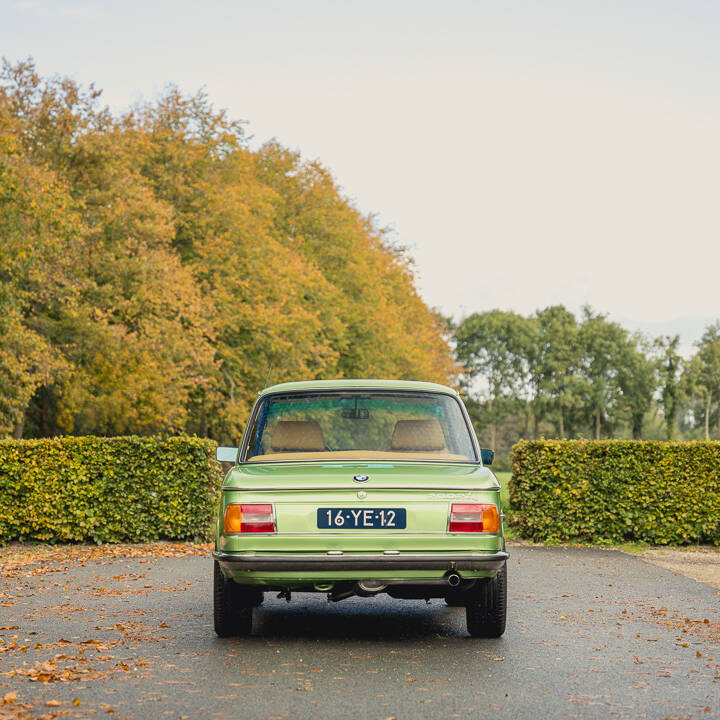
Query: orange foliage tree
{"points": [[156, 273]]}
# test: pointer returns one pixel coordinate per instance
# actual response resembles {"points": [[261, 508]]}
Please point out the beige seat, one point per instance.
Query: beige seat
{"points": [[418, 435], [411, 440], [297, 436]]}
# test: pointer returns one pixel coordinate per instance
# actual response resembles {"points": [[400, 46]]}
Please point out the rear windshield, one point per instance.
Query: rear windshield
{"points": [[345, 425]]}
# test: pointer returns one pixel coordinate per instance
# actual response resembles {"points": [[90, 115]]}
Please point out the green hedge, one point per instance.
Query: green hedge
{"points": [[123, 489], [615, 491]]}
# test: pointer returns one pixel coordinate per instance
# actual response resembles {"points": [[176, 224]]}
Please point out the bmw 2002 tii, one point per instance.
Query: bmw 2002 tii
{"points": [[360, 487]]}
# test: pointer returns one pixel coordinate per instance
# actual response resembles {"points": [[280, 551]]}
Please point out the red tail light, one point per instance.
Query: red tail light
{"points": [[248, 518], [465, 517]]}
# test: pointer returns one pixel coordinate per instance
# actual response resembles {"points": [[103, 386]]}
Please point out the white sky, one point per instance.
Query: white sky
{"points": [[528, 153]]}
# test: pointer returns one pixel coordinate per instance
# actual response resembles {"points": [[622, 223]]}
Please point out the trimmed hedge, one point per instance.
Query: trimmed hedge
{"points": [[614, 491], [92, 489]]}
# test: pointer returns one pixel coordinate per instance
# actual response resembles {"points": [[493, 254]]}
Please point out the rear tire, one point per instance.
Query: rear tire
{"points": [[232, 605], [486, 612]]}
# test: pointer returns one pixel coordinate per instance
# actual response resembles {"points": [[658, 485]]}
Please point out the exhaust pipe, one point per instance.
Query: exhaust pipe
{"points": [[363, 588], [368, 588]]}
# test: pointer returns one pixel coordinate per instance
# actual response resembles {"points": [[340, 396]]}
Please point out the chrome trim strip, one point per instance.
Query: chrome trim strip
{"points": [[254, 563], [299, 487], [351, 532], [360, 461]]}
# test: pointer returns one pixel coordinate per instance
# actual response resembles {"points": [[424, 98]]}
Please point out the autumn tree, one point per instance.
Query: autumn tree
{"points": [[156, 273], [389, 331], [38, 238]]}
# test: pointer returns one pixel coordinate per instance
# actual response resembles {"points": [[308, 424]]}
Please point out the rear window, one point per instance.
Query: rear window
{"points": [[355, 425]]}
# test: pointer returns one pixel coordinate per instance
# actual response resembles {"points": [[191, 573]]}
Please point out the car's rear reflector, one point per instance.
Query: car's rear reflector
{"points": [[248, 518], [473, 517]]}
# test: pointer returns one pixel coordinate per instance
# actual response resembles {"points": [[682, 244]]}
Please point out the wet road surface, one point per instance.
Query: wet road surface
{"points": [[591, 634]]}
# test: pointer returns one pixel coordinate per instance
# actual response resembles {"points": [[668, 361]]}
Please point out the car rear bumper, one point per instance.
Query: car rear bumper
{"points": [[233, 562]]}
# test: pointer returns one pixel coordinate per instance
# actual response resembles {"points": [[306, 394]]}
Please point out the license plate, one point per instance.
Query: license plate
{"points": [[361, 518]]}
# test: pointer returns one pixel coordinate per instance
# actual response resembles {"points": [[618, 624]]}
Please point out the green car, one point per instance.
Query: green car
{"points": [[360, 487]]}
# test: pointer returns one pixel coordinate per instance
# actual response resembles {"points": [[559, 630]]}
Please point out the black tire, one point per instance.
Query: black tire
{"points": [[487, 611], [232, 605]]}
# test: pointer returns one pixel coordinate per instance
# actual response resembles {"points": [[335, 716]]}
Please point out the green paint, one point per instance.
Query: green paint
{"points": [[297, 489]]}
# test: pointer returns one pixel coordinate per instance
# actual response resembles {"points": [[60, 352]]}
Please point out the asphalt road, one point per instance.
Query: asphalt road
{"points": [[591, 634]]}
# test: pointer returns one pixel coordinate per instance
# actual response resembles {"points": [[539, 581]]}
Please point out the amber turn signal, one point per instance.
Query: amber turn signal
{"points": [[490, 519], [233, 519]]}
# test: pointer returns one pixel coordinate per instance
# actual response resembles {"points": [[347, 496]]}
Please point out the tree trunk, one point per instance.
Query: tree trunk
{"points": [[597, 422], [637, 425], [19, 427], [707, 417], [45, 413], [562, 422]]}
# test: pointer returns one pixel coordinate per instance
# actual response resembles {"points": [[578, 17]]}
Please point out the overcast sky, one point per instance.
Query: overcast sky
{"points": [[528, 153]]}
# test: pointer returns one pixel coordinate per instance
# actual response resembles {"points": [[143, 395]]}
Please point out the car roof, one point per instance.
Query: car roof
{"points": [[356, 384]]}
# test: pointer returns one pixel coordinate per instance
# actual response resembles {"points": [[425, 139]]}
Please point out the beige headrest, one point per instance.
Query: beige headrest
{"points": [[298, 436], [413, 435]]}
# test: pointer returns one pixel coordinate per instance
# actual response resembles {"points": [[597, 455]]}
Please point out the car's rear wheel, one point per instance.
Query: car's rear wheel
{"points": [[487, 609], [232, 605]]}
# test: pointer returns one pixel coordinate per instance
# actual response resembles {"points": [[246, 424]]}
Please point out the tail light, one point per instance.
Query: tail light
{"points": [[248, 518], [466, 517]]}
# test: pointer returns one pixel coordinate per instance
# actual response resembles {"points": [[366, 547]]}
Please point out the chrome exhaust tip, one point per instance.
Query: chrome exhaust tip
{"points": [[453, 580]]}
